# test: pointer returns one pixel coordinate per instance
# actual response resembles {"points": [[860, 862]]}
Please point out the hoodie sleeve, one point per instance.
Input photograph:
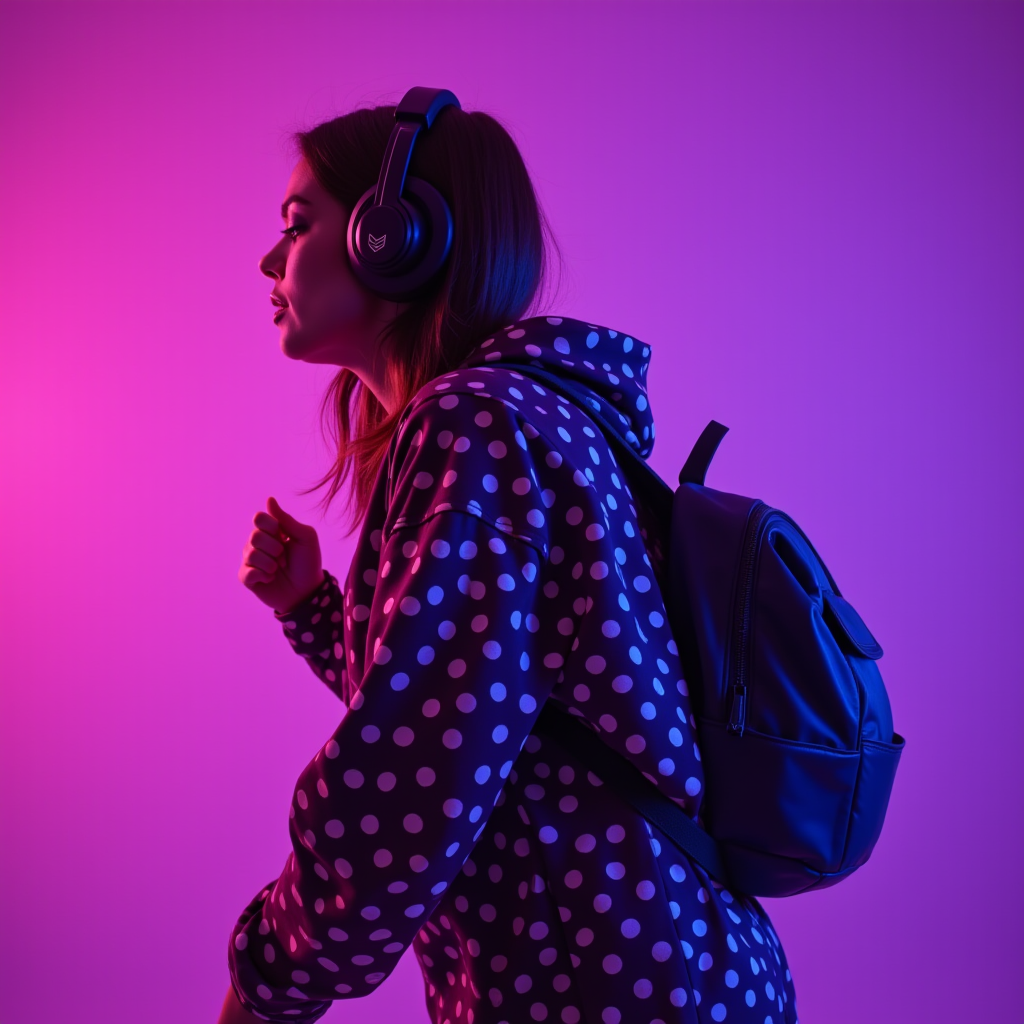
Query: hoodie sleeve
{"points": [[314, 630], [462, 651]]}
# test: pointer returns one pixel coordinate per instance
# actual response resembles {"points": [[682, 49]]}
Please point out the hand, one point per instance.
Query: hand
{"points": [[233, 1012], [281, 561]]}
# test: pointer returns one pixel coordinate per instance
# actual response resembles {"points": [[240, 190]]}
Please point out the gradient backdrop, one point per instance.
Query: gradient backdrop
{"points": [[814, 213]]}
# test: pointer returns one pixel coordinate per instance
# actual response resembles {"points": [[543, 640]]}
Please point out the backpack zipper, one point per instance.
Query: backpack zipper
{"points": [[744, 601]]}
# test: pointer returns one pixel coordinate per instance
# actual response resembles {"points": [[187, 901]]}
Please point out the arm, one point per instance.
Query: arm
{"points": [[314, 629], [462, 651], [386, 813]]}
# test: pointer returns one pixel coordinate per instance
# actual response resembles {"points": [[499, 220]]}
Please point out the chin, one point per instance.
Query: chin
{"points": [[293, 346], [296, 345]]}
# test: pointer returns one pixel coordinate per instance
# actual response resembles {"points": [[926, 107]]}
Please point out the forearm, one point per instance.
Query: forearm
{"points": [[314, 629]]}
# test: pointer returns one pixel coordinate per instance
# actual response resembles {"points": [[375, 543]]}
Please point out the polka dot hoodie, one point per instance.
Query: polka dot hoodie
{"points": [[503, 564]]}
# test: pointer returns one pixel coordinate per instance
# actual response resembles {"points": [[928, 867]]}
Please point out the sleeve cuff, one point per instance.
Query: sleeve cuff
{"points": [[302, 613]]}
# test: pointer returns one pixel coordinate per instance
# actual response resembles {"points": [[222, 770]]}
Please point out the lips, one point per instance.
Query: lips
{"points": [[279, 314]]}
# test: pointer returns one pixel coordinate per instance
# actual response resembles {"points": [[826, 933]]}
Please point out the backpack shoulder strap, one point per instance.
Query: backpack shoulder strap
{"points": [[629, 783]]}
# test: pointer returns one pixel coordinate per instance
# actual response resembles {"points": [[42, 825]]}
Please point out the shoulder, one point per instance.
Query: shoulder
{"points": [[468, 441]]}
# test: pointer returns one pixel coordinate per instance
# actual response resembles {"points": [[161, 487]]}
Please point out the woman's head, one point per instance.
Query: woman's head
{"points": [[494, 273], [324, 314]]}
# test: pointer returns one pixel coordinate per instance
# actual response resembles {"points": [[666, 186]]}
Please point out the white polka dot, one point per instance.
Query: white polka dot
{"points": [[611, 964], [642, 988], [403, 736], [497, 449], [585, 843]]}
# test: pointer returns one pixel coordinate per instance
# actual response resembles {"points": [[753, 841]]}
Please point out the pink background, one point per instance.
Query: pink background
{"points": [[815, 216]]}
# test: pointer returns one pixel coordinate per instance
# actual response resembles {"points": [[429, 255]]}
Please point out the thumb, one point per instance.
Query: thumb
{"points": [[291, 525]]}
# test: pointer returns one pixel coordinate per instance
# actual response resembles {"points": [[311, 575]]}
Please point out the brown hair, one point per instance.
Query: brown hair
{"points": [[496, 270]]}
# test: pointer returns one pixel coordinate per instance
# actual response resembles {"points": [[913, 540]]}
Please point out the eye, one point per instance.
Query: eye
{"points": [[293, 228]]}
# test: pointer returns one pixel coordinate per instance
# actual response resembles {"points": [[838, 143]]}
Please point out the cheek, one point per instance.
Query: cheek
{"points": [[323, 286]]}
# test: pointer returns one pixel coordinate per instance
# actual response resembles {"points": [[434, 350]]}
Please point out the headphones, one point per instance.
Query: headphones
{"points": [[400, 233]]}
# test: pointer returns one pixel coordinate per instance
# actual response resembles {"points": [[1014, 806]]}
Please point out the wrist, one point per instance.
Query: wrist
{"points": [[322, 585]]}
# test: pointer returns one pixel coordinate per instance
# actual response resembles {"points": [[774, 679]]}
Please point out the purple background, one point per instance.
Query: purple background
{"points": [[815, 216]]}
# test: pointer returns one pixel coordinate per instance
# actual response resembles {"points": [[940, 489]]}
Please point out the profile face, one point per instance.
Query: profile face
{"points": [[325, 315]]}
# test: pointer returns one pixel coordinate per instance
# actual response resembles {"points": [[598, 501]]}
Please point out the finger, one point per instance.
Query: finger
{"points": [[250, 576], [265, 542], [265, 522], [289, 522], [262, 561]]}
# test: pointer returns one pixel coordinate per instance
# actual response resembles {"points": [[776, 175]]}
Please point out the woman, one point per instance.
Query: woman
{"points": [[500, 564]]}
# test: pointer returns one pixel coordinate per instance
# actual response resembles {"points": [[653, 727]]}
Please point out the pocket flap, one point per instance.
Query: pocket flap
{"points": [[849, 628]]}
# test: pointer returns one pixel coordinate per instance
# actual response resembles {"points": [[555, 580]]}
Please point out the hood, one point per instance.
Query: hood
{"points": [[611, 365]]}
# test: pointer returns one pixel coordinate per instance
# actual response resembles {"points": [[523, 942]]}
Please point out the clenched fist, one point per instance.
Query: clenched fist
{"points": [[281, 561]]}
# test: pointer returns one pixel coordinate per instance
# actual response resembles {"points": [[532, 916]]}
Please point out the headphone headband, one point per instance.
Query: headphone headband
{"points": [[400, 232]]}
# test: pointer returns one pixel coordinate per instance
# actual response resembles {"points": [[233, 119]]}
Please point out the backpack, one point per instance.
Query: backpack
{"points": [[793, 721]]}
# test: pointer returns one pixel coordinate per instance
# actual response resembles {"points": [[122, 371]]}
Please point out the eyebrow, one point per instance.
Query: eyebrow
{"points": [[292, 199]]}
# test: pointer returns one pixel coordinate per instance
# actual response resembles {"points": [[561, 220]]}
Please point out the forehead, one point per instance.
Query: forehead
{"points": [[301, 180], [301, 186]]}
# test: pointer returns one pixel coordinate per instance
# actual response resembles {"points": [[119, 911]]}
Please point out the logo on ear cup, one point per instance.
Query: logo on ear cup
{"points": [[376, 244]]}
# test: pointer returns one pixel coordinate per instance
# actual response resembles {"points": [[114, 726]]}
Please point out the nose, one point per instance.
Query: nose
{"points": [[272, 263]]}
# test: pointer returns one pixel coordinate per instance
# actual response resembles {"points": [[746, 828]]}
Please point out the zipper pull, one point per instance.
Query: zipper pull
{"points": [[738, 711]]}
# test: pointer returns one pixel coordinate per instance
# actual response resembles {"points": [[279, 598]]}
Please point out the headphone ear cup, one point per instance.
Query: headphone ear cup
{"points": [[409, 279]]}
